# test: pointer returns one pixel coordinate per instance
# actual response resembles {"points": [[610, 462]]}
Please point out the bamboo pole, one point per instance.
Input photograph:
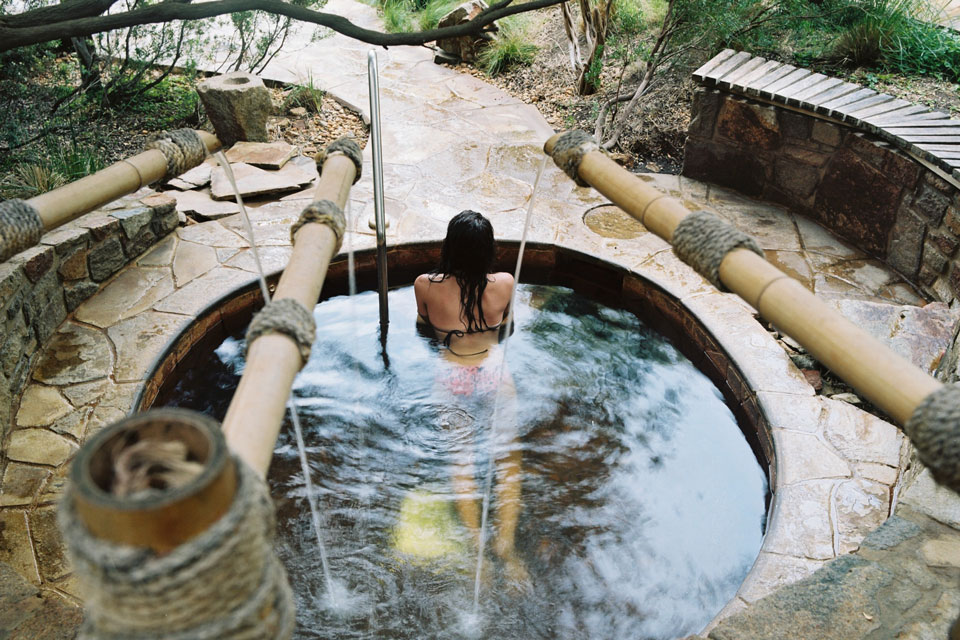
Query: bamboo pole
{"points": [[255, 414], [880, 375], [86, 194]]}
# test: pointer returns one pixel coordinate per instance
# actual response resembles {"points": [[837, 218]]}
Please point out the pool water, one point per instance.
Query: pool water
{"points": [[643, 506]]}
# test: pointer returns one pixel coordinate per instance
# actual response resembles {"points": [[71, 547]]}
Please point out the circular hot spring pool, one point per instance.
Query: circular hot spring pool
{"points": [[641, 510]]}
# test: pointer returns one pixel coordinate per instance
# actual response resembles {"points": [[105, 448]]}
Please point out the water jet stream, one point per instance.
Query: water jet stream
{"points": [[304, 463], [488, 481]]}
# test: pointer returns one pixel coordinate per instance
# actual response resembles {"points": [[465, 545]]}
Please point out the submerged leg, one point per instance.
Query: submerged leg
{"points": [[509, 481], [462, 471]]}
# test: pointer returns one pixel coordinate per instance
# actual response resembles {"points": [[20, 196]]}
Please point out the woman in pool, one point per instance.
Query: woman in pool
{"points": [[466, 304]]}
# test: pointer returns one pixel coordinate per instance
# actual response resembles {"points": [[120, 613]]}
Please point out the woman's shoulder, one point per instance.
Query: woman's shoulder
{"points": [[500, 279]]}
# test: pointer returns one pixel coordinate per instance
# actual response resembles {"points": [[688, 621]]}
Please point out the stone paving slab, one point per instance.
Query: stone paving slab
{"points": [[452, 142]]}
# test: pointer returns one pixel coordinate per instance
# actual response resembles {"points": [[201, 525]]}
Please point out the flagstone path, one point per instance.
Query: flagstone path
{"points": [[451, 142]]}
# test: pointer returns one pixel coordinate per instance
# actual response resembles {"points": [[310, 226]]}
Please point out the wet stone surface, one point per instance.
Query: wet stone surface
{"points": [[458, 143]]}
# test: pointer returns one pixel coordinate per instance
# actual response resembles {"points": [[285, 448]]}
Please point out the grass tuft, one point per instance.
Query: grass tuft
{"points": [[509, 47]]}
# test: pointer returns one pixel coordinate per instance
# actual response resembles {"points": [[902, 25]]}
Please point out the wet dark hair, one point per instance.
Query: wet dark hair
{"points": [[467, 255]]}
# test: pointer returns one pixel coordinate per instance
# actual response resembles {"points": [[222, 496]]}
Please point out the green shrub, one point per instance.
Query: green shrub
{"points": [[509, 47], [628, 16]]}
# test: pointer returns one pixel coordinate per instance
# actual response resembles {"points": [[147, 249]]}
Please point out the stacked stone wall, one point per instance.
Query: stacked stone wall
{"points": [[40, 286], [880, 199]]}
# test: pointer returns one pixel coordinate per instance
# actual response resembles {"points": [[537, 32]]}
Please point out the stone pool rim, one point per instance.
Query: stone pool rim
{"points": [[659, 308]]}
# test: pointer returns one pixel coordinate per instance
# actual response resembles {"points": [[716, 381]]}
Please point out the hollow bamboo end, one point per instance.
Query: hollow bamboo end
{"points": [[210, 141], [551, 143], [154, 513]]}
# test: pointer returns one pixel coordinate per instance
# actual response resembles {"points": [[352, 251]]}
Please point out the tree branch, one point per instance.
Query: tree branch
{"points": [[13, 35]]}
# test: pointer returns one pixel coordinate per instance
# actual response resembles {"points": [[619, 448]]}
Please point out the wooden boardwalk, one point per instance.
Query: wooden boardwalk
{"points": [[930, 136]]}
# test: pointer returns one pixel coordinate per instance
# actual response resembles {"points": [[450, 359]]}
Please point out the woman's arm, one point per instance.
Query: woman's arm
{"points": [[420, 286]]}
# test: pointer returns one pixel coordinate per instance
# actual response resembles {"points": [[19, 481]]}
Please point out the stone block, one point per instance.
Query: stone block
{"points": [[74, 265], [937, 183], [927, 275], [12, 348], [952, 219], [467, 48], [748, 124], [44, 308], [164, 201], [906, 243], [805, 156], [891, 533], [12, 278], [706, 103], [945, 241], [795, 178], [826, 133], [106, 258], [901, 169], [954, 279], [930, 203], [66, 240], [858, 202], [795, 125], [74, 293], [165, 220], [238, 104], [101, 227], [933, 259], [35, 261], [872, 151], [740, 170], [133, 221]]}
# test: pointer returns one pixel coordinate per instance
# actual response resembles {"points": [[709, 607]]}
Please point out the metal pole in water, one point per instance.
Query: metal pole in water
{"points": [[373, 81]]}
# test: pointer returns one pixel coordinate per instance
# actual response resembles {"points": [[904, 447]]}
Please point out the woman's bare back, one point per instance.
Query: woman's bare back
{"points": [[438, 304]]}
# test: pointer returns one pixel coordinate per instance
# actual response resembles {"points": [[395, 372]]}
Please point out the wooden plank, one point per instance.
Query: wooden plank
{"points": [[727, 81], [773, 89], [922, 125], [921, 131], [802, 85], [850, 110], [919, 125], [886, 107], [939, 139], [850, 98], [836, 92], [914, 120], [953, 163], [906, 112], [726, 67], [700, 74], [818, 88], [938, 148], [744, 83], [773, 76]]}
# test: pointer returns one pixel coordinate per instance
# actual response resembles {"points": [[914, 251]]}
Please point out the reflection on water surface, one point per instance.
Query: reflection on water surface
{"points": [[643, 505]]}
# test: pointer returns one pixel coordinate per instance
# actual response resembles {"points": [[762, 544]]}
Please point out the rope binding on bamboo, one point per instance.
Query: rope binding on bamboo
{"points": [[183, 149], [286, 316], [20, 227], [702, 241], [324, 212], [934, 430], [345, 146], [224, 582], [569, 151]]}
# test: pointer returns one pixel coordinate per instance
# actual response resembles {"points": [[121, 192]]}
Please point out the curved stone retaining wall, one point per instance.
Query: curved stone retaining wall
{"points": [[40, 286], [865, 190]]}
